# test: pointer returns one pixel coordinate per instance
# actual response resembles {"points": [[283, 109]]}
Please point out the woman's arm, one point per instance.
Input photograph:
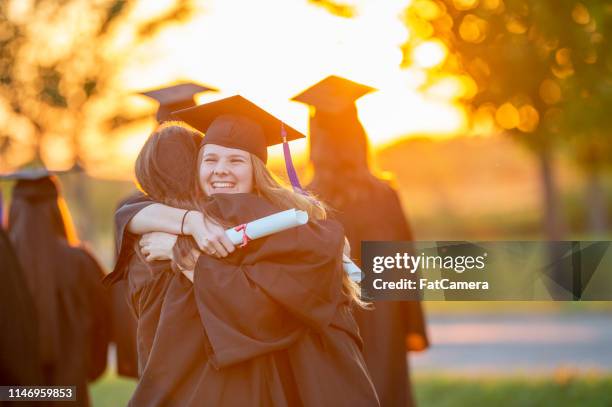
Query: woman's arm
{"points": [[157, 218], [159, 246], [209, 236]]}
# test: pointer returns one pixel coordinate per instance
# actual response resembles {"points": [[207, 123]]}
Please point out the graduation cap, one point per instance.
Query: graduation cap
{"points": [[33, 183], [333, 94], [37, 179], [175, 97], [236, 122]]}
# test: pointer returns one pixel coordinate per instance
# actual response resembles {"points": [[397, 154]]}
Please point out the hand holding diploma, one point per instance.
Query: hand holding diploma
{"points": [[240, 235]]}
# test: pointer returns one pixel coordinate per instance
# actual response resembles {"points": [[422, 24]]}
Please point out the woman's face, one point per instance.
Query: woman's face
{"points": [[225, 170]]}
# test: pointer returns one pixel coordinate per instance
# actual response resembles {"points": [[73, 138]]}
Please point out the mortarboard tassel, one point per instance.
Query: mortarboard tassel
{"points": [[293, 178]]}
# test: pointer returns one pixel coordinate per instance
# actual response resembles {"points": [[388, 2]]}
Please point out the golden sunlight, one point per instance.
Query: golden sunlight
{"points": [[269, 51], [430, 54]]}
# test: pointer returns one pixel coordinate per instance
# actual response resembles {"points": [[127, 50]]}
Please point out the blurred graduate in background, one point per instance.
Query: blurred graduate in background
{"points": [[170, 99], [19, 358], [369, 209], [64, 281], [173, 98]]}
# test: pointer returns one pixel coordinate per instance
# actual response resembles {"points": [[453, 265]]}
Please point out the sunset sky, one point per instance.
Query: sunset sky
{"points": [[270, 50], [267, 51]]}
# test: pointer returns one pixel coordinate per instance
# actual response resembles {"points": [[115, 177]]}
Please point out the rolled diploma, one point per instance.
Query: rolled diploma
{"points": [[351, 269], [278, 222], [269, 225]]}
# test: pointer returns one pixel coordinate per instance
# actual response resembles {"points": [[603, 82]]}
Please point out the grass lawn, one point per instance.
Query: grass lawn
{"points": [[449, 391], [514, 307], [111, 391], [558, 391]]}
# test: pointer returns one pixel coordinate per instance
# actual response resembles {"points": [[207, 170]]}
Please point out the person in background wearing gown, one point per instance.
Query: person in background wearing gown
{"points": [[19, 359], [369, 209], [170, 98], [265, 324], [64, 281]]}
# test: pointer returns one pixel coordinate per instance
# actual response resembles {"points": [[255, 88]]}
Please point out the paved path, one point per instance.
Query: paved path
{"points": [[514, 344]]}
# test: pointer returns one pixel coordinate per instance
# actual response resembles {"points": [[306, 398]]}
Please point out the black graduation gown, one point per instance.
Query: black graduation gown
{"points": [[84, 323], [268, 325], [19, 357], [74, 329], [123, 321], [392, 328]]}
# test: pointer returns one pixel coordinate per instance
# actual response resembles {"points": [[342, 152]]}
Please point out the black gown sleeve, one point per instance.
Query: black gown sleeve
{"points": [[124, 240]]}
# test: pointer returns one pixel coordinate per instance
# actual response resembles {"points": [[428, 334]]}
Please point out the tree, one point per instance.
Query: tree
{"points": [[59, 67], [508, 48], [587, 116], [60, 63]]}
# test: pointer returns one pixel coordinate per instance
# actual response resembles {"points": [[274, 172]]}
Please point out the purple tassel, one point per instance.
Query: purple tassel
{"points": [[293, 178]]}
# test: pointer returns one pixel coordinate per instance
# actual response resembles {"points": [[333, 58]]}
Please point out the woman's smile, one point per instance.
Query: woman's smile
{"points": [[222, 185]]}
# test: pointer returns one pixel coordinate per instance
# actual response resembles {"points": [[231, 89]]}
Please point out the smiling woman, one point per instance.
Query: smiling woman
{"points": [[225, 170]]}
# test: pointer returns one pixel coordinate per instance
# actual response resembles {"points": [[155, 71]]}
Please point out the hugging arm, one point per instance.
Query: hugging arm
{"points": [[209, 236], [158, 218], [161, 246]]}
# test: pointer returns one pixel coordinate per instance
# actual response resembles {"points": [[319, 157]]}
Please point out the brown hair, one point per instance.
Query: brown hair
{"points": [[165, 170]]}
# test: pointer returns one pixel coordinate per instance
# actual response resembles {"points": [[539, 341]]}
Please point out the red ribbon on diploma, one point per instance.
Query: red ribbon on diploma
{"points": [[245, 237]]}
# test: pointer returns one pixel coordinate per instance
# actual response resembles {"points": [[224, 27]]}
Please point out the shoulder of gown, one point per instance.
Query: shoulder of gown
{"points": [[124, 240]]}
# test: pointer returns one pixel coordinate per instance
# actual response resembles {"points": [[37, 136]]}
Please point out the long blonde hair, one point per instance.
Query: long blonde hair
{"points": [[276, 191]]}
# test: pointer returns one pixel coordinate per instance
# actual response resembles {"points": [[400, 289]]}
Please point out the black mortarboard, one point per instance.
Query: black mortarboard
{"points": [[37, 189], [236, 122], [33, 183], [333, 94], [174, 98]]}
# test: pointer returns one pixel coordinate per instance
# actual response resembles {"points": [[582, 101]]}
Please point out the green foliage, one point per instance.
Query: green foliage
{"points": [[543, 71], [589, 90], [507, 47], [552, 55], [561, 390]]}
